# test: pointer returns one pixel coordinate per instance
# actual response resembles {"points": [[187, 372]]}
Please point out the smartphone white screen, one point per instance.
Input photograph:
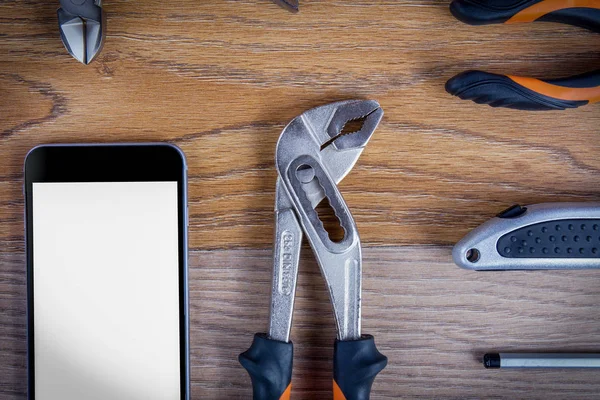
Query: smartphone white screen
{"points": [[106, 291]]}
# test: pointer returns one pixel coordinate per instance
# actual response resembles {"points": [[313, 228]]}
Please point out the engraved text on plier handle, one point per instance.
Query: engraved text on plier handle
{"points": [[286, 263]]}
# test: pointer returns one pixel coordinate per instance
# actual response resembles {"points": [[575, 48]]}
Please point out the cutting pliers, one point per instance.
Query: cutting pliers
{"points": [[82, 25], [312, 157], [522, 92]]}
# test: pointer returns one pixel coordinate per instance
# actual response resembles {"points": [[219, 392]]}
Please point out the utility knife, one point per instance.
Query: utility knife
{"points": [[534, 237]]}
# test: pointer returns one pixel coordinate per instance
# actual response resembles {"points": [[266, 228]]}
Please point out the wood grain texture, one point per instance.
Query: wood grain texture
{"points": [[221, 78]]}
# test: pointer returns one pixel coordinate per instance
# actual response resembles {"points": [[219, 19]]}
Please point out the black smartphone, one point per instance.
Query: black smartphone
{"points": [[107, 293]]}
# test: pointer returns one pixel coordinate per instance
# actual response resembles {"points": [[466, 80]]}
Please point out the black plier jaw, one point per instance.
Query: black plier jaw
{"points": [[82, 25]]}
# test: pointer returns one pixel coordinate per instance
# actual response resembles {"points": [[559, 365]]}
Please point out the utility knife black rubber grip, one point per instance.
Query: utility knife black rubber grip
{"points": [[573, 238]]}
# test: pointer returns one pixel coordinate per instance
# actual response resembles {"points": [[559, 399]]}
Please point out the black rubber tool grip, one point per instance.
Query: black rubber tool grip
{"points": [[269, 364], [356, 363], [526, 93], [583, 13], [565, 238]]}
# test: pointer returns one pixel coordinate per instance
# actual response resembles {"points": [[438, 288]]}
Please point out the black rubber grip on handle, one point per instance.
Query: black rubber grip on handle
{"points": [[565, 238], [483, 12], [502, 91], [356, 363], [269, 364]]}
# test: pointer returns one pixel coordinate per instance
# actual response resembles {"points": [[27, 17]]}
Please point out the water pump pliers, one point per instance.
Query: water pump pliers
{"points": [[311, 158]]}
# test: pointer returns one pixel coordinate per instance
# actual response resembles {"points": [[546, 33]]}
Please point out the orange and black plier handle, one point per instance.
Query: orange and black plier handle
{"points": [[269, 363], [525, 93]]}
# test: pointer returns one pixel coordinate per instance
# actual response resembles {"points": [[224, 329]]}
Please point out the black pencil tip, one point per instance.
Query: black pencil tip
{"points": [[491, 360]]}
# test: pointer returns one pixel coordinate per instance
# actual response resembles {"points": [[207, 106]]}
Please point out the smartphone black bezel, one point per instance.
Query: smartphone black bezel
{"points": [[154, 162]]}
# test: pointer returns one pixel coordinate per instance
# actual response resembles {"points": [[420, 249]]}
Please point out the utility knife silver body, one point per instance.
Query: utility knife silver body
{"points": [[534, 237]]}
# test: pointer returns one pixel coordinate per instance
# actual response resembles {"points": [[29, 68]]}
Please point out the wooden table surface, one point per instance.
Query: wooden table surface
{"points": [[221, 79]]}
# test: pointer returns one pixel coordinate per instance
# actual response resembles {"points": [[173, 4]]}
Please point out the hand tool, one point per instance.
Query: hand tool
{"points": [[82, 25], [525, 93], [290, 5], [541, 360], [539, 236], [312, 157]]}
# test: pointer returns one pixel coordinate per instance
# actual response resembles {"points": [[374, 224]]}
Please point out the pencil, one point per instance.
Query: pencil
{"points": [[541, 360]]}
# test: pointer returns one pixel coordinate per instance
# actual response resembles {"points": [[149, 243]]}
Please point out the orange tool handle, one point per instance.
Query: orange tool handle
{"points": [[356, 363], [269, 364], [526, 93], [583, 13]]}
